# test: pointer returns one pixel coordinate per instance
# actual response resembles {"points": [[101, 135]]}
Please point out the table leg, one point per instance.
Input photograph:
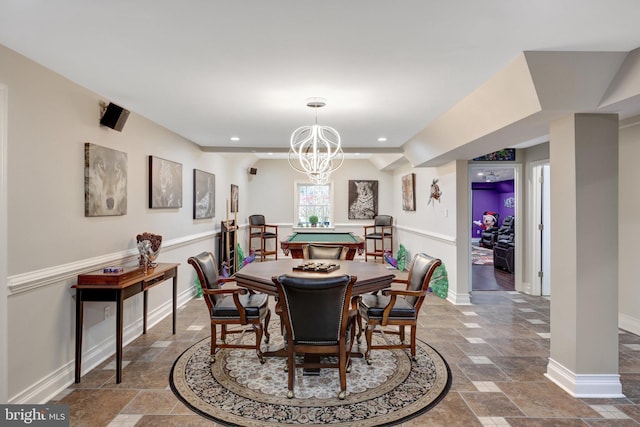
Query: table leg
{"points": [[175, 299], [144, 312], [79, 315], [119, 310]]}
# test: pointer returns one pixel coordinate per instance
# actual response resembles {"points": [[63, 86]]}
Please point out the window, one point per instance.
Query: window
{"points": [[312, 199]]}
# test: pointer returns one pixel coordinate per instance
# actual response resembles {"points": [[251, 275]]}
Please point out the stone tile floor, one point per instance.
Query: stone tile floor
{"points": [[497, 349]]}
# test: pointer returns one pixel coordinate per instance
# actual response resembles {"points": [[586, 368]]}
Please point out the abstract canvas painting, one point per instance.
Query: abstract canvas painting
{"points": [[105, 181], [165, 183], [204, 185], [363, 199], [408, 192]]}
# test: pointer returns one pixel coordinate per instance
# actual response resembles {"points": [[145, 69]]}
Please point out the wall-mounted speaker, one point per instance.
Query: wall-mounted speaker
{"points": [[253, 171], [114, 117]]}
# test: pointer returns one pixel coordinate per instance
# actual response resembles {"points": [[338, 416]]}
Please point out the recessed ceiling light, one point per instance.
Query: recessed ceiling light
{"points": [[270, 154], [480, 173], [234, 138], [382, 139]]}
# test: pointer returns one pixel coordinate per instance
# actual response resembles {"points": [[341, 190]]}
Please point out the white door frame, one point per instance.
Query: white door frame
{"points": [[518, 234], [535, 213], [4, 290]]}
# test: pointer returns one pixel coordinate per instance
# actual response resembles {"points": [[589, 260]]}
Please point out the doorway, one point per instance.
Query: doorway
{"points": [[493, 203]]}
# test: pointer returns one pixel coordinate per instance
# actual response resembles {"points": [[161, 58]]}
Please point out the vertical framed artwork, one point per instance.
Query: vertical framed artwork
{"points": [[165, 183], [408, 192], [204, 185], [363, 199], [105, 181], [234, 198]]}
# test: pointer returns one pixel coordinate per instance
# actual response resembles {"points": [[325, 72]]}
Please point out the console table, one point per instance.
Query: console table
{"points": [[117, 287]]}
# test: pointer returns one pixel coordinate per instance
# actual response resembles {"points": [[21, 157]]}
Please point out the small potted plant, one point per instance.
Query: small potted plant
{"points": [[313, 220]]}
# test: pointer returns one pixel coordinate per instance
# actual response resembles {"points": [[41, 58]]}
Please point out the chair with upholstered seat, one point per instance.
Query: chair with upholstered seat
{"points": [[259, 229], [231, 306], [397, 307], [315, 251], [318, 321], [380, 232]]}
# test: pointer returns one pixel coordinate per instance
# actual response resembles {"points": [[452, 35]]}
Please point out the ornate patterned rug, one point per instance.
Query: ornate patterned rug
{"points": [[237, 390], [481, 256]]}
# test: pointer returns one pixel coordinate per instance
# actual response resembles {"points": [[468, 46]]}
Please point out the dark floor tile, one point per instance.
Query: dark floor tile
{"points": [[483, 372], [546, 400], [491, 404], [522, 368], [451, 412], [174, 421], [546, 422], [96, 407]]}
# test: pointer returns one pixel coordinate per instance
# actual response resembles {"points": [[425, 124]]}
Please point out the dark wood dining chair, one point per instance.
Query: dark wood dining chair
{"points": [[379, 233], [315, 251], [231, 306], [399, 307], [259, 229], [318, 321]]}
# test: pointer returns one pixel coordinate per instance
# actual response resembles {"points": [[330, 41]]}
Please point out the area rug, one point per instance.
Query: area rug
{"points": [[237, 390], [481, 256]]}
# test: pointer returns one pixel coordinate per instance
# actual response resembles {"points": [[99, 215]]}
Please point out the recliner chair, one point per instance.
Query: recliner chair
{"points": [[503, 249]]}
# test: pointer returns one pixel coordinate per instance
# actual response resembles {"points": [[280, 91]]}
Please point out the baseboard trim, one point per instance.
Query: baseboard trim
{"points": [[51, 385], [584, 386], [459, 299]]}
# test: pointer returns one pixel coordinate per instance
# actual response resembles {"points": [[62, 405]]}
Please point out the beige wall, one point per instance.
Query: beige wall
{"points": [[50, 240], [629, 227]]}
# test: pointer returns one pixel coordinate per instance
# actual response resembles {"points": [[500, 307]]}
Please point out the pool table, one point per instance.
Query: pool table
{"points": [[297, 241]]}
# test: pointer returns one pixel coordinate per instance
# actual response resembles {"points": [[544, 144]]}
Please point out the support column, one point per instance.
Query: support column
{"points": [[460, 288], [584, 255]]}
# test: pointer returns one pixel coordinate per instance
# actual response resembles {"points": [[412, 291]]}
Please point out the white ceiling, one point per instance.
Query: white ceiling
{"points": [[491, 174], [210, 70]]}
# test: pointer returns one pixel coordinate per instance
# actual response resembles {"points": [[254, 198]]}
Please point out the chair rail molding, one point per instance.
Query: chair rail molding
{"points": [[435, 236], [47, 276]]}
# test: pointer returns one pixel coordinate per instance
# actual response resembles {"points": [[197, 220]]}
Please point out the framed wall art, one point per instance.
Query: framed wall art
{"points": [[204, 185], [363, 199], [506, 155], [234, 198], [105, 181], [408, 192], [165, 183]]}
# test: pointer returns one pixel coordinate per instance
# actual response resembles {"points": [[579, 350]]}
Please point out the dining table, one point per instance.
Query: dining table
{"points": [[257, 276], [371, 276]]}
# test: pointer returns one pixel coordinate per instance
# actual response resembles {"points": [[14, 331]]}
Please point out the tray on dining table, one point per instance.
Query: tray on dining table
{"points": [[317, 267]]}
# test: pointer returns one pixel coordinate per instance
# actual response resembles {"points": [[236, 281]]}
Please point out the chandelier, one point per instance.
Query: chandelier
{"points": [[316, 150]]}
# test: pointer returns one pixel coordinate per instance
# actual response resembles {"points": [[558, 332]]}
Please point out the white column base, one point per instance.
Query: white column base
{"points": [[584, 386]]}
